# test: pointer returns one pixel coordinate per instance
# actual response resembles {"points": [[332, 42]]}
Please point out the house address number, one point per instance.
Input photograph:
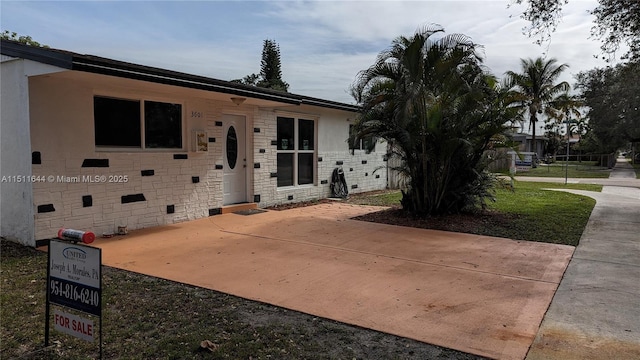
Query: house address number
{"points": [[196, 114]]}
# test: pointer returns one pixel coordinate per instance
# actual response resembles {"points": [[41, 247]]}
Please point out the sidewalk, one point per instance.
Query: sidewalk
{"points": [[595, 313], [622, 175]]}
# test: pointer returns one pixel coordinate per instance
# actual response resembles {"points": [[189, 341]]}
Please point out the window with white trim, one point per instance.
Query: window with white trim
{"points": [[363, 144], [296, 151], [127, 123]]}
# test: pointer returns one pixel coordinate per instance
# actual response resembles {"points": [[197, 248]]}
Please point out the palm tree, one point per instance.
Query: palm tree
{"points": [[537, 89], [565, 109], [432, 99]]}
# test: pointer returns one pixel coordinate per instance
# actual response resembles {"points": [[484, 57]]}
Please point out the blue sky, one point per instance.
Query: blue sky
{"points": [[323, 44]]}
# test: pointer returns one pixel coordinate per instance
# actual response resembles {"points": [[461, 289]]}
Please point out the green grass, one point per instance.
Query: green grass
{"points": [[527, 212], [386, 198], [636, 167], [576, 170], [544, 215]]}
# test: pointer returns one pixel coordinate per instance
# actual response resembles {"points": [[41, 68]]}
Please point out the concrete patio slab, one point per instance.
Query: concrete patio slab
{"points": [[472, 293]]}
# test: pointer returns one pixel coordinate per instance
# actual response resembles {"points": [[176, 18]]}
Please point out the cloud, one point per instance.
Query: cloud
{"points": [[323, 43]]}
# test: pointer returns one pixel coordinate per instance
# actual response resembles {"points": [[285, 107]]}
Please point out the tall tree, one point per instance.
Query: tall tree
{"points": [[431, 99], [565, 109], [565, 114], [537, 89], [270, 76], [616, 22], [270, 67], [613, 97]]}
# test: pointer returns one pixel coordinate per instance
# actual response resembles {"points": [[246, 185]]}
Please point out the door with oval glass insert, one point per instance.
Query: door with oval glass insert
{"points": [[235, 160]]}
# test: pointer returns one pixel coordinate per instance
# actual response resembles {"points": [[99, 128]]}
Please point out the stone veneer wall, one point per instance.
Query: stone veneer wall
{"points": [[102, 190], [84, 188], [159, 189], [363, 172]]}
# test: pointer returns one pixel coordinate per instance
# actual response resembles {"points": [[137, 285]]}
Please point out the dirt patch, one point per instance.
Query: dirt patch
{"points": [[562, 343]]}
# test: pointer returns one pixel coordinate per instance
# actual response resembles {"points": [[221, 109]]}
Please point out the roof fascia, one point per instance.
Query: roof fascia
{"points": [[98, 65], [330, 104], [130, 71], [42, 55]]}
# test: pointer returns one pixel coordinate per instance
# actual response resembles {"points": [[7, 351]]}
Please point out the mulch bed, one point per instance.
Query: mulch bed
{"points": [[471, 223], [464, 223]]}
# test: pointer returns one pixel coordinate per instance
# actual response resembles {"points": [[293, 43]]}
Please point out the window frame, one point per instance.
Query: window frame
{"points": [[361, 142], [296, 151], [142, 123]]}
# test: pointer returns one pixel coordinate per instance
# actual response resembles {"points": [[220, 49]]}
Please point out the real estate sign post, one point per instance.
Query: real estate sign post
{"points": [[521, 161], [74, 280]]}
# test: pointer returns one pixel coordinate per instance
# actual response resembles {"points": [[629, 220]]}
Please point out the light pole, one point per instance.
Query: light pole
{"points": [[566, 171]]}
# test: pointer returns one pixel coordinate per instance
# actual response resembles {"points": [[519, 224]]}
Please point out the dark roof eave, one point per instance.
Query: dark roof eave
{"points": [[42, 55], [99, 65], [188, 81], [330, 104]]}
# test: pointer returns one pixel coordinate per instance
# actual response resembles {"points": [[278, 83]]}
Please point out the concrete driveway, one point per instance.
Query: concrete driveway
{"points": [[472, 293]]}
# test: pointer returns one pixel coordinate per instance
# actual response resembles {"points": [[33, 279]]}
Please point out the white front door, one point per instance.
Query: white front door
{"points": [[235, 160]]}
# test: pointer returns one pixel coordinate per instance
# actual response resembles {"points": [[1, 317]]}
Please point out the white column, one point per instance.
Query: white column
{"points": [[16, 198]]}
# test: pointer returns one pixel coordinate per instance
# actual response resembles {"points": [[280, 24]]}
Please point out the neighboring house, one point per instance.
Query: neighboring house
{"points": [[502, 158], [525, 143], [92, 143]]}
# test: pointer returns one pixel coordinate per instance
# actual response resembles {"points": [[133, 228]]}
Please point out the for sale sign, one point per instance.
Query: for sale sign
{"points": [[73, 325], [74, 280], [75, 276]]}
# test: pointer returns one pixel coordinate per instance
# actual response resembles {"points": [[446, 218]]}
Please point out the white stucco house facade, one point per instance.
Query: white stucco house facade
{"points": [[92, 143]]}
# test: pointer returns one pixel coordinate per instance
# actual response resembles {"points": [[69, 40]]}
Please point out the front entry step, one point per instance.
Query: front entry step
{"points": [[238, 207]]}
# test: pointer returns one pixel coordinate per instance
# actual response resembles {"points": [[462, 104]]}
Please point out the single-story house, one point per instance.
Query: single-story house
{"points": [[524, 141], [94, 144]]}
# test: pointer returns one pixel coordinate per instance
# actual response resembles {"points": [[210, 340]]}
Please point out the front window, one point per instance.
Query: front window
{"points": [[162, 125], [120, 123], [117, 122], [296, 151], [367, 143]]}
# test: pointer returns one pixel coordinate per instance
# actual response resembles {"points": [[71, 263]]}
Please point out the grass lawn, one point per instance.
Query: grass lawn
{"points": [[525, 213], [576, 170], [542, 215], [636, 167]]}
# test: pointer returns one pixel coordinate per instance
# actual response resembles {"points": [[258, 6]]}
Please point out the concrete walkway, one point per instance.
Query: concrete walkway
{"points": [[472, 293], [595, 314], [622, 175]]}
